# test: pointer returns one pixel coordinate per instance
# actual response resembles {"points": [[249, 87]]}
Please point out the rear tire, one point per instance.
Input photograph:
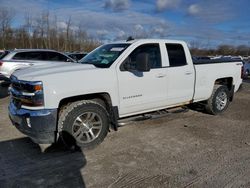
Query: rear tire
{"points": [[84, 124], [219, 100]]}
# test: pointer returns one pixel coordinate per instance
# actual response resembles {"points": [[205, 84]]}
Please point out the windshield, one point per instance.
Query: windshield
{"points": [[3, 54], [105, 55]]}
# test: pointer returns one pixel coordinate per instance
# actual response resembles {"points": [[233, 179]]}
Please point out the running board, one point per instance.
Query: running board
{"points": [[153, 115]]}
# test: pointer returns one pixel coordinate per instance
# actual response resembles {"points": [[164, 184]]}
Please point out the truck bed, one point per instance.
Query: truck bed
{"points": [[208, 71]]}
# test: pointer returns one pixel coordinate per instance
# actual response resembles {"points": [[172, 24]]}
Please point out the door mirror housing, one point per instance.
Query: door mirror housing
{"points": [[142, 62]]}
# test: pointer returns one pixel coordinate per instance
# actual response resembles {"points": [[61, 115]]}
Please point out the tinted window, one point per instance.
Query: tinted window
{"points": [[154, 54], [176, 55], [29, 56], [54, 56]]}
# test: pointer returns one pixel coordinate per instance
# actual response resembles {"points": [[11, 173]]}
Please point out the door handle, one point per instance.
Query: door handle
{"points": [[188, 73], [160, 75]]}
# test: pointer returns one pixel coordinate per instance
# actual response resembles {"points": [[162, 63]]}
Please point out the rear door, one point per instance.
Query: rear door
{"points": [[180, 74], [142, 91]]}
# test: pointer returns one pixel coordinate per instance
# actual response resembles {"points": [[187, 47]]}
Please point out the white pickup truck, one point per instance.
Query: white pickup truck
{"points": [[83, 101]]}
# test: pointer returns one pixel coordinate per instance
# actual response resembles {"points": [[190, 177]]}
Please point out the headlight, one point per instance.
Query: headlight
{"points": [[27, 93], [34, 96]]}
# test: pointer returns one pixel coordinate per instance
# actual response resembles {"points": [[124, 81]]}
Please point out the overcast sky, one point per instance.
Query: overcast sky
{"points": [[210, 22]]}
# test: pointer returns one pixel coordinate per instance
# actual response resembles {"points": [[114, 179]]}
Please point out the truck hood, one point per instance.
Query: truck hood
{"points": [[35, 72]]}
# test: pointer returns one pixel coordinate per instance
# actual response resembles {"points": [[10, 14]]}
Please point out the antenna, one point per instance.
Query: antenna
{"points": [[130, 38]]}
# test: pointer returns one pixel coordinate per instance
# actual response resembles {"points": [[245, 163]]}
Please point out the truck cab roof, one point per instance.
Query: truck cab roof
{"points": [[151, 41]]}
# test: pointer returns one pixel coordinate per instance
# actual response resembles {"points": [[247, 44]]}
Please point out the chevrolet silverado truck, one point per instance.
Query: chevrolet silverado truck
{"points": [[83, 101]]}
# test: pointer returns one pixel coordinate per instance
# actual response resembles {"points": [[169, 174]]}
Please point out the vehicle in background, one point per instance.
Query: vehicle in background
{"points": [[246, 69], [200, 57], [246, 65], [85, 100], [3, 53], [21, 58], [76, 55]]}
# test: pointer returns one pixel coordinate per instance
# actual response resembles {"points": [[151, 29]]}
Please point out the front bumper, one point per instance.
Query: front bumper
{"points": [[39, 125]]}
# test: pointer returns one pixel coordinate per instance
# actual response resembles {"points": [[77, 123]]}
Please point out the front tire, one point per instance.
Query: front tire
{"points": [[84, 124], [219, 100]]}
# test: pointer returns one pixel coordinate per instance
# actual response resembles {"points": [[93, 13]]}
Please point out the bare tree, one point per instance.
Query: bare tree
{"points": [[6, 17], [226, 49], [42, 31], [28, 26], [68, 30]]}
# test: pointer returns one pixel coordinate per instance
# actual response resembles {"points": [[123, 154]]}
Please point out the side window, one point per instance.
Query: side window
{"points": [[154, 54], [19, 56], [28, 56], [176, 55], [54, 56]]}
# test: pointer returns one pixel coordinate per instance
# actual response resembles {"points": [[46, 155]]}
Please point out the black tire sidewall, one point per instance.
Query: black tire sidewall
{"points": [[214, 106], [87, 107]]}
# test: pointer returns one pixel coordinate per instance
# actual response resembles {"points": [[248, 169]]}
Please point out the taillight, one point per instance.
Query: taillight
{"points": [[1, 63]]}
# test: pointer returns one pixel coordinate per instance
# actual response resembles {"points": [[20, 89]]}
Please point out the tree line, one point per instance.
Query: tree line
{"points": [[43, 31], [241, 50]]}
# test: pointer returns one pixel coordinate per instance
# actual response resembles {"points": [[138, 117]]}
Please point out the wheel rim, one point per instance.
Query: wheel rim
{"points": [[221, 100], [87, 127]]}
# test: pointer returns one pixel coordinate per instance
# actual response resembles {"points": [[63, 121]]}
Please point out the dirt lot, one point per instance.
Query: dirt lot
{"points": [[190, 149]]}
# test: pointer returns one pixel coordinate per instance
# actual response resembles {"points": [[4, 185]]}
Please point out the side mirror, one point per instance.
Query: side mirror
{"points": [[142, 62]]}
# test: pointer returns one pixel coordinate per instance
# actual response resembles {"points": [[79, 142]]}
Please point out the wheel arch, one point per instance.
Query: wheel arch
{"points": [[103, 98], [228, 82]]}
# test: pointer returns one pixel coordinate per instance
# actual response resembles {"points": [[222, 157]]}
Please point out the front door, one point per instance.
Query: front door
{"points": [[142, 91]]}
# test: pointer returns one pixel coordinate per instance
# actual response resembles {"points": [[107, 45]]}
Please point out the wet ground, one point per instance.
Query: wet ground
{"points": [[189, 149]]}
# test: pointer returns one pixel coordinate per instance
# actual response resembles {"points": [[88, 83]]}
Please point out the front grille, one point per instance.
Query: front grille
{"points": [[15, 90], [16, 86], [16, 97], [17, 102]]}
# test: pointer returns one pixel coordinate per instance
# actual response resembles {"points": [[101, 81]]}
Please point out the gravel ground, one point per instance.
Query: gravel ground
{"points": [[190, 149]]}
